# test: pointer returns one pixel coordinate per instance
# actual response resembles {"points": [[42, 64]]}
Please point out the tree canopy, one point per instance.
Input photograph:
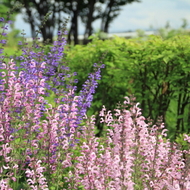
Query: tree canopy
{"points": [[87, 10]]}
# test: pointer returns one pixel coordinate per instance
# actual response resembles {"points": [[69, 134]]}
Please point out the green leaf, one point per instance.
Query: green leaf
{"points": [[180, 116], [166, 59]]}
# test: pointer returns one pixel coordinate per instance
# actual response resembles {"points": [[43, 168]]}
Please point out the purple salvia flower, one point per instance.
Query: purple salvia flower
{"points": [[88, 89], [5, 27], [2, 19], [19, 43], [9, 21], [4, 34], [1, 50], [3, 41]]}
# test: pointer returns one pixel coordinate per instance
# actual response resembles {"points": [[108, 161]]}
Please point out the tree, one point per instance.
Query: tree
{"points": [[112, 10], [35, 12], [42, 9], [94, 11], [91, 14], [73, 8], [88, 11]]}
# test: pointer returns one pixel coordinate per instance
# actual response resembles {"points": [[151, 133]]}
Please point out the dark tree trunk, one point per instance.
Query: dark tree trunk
{"points": [[32, 25], [106, 20], [30, 20], [42, 8], [73, 29], [74, 24], [89, 29], [47, 34]]}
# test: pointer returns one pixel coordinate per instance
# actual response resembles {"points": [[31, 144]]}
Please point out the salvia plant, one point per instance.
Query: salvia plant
{"points": [[46, 145]]}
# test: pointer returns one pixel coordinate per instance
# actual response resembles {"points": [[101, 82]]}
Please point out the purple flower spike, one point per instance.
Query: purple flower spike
{"points": [[3, 41], [86, 94], [2, 19], [4, 34], [1, 51]]}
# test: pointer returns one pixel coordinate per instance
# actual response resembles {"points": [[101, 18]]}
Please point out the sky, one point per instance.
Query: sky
{"points": [[145, 15]]}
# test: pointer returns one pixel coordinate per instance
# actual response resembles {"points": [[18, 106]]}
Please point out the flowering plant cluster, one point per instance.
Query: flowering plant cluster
{"points": [[134, 154], [53, 146]]}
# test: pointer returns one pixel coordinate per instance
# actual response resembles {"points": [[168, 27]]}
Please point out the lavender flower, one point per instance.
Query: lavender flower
{"points": [[88, 89], [3, 41]]}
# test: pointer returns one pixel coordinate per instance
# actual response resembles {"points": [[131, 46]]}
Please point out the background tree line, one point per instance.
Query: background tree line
{"points": [[87, 10]]}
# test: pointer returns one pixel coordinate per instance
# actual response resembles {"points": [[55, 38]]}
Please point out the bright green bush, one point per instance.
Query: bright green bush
{"points": [[156, 71]]}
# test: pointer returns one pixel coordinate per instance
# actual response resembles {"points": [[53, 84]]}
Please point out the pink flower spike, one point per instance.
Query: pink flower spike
{"points": [[41, 90], [41, 99], [42, 82], [2, 87], [32, 64], [12, 66], [21, 73], [3, 74], [187, 138], [164, 132], [3, 66], [43, 65]]}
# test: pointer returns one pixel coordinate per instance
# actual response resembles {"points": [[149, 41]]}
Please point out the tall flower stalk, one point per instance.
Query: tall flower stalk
{"points": [[132, 156], [34, 133]]}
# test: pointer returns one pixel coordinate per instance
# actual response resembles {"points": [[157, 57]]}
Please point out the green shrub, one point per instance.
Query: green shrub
{"points": [[156, 71]]}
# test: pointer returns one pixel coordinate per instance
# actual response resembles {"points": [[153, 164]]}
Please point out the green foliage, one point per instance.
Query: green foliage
{"points": [[156, 71], [183, 144], [3, 10], [13, 38], [9, 9]]}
